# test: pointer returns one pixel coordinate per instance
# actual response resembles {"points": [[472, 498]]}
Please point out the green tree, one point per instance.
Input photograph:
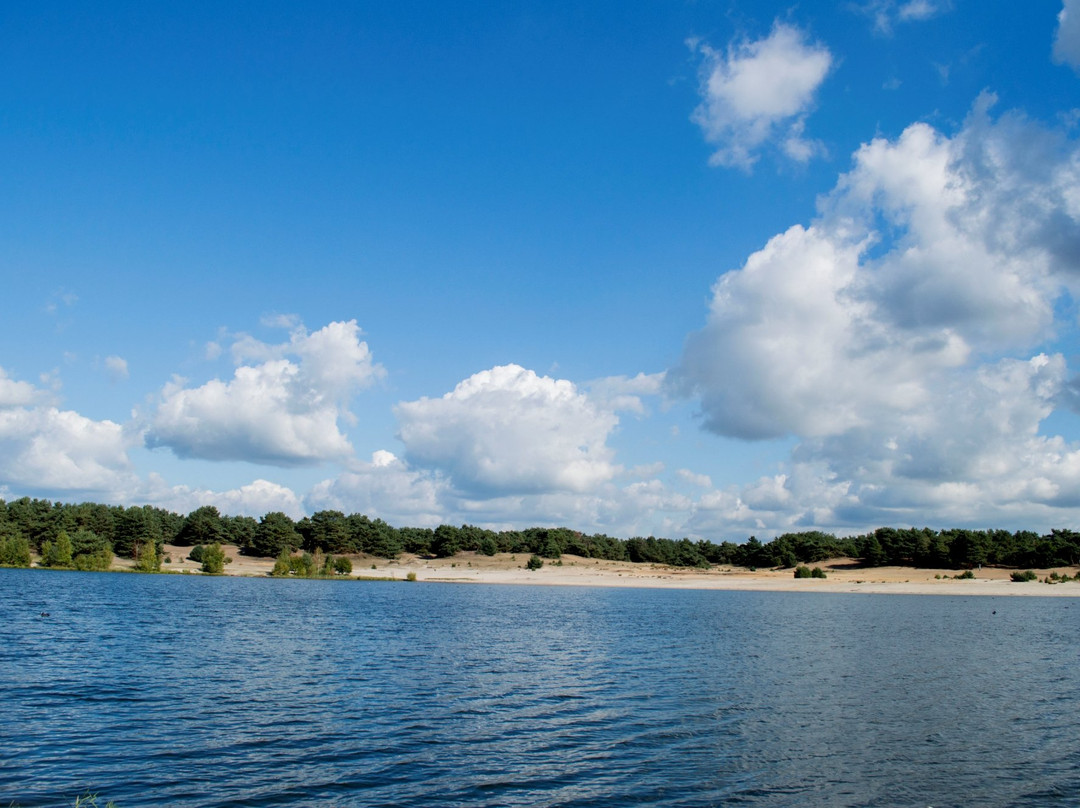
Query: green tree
{"points": [[32, 518], [147, 558], [135, 527], [342, 566], [328, 530], [57, 553], [283, 565], [240, 531], [97, 560], [213, 559], [14, 548], [446, 542], [202, 526], [276, 532]]}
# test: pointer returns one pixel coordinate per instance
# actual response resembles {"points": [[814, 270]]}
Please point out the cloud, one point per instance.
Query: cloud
{"points": [[388, 489], [46, 449], [17, 394], [886, 13], [758, 92], [281, 407], [507, 430], [116, 367], [1067, 40], [700, 480], [255, 499], [896, 337], [624, 393], [917, 10]]}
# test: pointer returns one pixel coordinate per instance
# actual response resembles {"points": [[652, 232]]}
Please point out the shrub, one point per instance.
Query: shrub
{"points": [[148, 559], [1021, 577], [342, 566], [817, 572], [488, 546], [966, 575], [196, 553], [802, 571], [213, 559], [283, 565], [411, 576], [304, 566], [58, 553], [97, 561], [535, 562], [14, 551]]}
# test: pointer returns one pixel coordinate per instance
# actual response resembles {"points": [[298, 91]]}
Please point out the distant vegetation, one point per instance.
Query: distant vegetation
{"points": [[84, 536]]}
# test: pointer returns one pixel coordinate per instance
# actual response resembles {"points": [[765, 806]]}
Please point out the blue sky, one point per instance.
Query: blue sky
{"points": [[704, 268]]}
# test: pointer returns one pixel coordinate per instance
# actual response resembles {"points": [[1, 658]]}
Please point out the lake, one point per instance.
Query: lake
{"points": [[155, 690]]}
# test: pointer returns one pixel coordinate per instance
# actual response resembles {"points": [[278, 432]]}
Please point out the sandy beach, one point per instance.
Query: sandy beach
{"points": [[844, 575]]}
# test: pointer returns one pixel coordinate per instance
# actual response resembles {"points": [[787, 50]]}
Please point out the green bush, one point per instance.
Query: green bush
{"points": [[966, 575], [411, 576], [342, 566], [1021, 577], [148, 559], [535, 562], [283, 564], [97, 561], [817, 572], [58, 553], [488, 546], [14, 551], [802, 571], [196, 553], [213, 559]]}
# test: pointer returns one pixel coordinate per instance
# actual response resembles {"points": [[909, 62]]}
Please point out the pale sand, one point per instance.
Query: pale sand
{"points": [[504, 568]]}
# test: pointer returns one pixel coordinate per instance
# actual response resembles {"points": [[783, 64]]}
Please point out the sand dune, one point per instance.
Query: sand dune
{"points": [[844, 575]]}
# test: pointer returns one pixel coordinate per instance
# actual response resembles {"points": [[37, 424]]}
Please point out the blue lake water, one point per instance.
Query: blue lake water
{"points": [[191, 691]]}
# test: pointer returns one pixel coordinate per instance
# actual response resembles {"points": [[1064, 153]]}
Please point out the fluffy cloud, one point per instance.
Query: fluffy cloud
{"points": [[758, 92], [388, 489], [49, 450], [254, 499], [14, 393], [281, 407], [1067, 41], [507, 430], [55, 450], [890, 337]]}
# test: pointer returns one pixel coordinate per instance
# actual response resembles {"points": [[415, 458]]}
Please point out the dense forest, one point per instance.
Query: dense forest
{"points": [[85, 535]]}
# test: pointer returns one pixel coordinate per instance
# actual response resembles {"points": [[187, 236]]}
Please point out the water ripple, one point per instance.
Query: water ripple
{"points": [[192, 692]]}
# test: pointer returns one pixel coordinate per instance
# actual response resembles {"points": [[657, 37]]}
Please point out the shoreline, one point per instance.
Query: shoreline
{"points": [[844, 575]]}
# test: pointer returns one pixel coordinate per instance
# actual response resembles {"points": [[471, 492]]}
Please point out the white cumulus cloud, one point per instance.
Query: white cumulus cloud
{"points": [[895, 337], [388, 489], [49, 450], [282, 406], [255, 499], [760, 91], [508, 430]]}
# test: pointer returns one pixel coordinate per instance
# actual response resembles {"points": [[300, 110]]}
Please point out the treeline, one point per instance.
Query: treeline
{"points": [[85, 533]]}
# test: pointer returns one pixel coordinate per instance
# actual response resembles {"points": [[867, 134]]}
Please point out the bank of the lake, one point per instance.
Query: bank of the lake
{"points": [[843, 574]]}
